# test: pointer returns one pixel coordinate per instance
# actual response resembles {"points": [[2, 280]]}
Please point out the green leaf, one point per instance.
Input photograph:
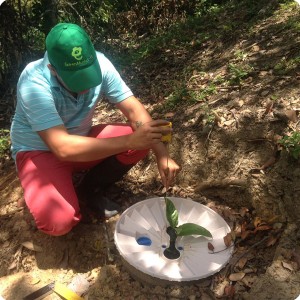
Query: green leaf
{"points": [[171, 213], [192, 229]]}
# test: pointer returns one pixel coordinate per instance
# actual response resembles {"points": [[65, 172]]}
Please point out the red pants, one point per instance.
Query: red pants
{"points": [[48, 186]]}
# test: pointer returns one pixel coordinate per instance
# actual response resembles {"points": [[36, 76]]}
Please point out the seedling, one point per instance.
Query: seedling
{"points": [[174, 230]]}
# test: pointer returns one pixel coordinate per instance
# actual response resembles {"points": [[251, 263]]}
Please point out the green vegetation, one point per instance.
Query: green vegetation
{"points": [[4, 142], [238, 73], [291, 143], [183, 96], [179, 96], [285, 66], [200, 95], [209, 116], [241, 55]]}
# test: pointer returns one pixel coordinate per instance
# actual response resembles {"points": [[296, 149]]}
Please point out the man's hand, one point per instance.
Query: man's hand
{"points": [[168, 169], [147, 135]]}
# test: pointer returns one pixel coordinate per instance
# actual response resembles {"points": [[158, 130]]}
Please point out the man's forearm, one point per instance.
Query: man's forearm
{"points": [[78, 148], [134, 111], [69, 147]]}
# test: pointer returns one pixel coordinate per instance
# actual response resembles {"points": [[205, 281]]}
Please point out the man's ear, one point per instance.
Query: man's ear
{"points": [[52, 70]]}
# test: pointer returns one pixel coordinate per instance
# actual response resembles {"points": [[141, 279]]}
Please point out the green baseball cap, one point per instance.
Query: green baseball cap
{"points": [[72, 54]]}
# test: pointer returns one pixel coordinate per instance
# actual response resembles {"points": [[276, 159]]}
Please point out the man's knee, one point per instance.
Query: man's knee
{"points": [[59, 225]]}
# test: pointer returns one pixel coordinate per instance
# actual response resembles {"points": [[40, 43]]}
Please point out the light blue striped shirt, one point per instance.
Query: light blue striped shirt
{"points": [[43, 103]]}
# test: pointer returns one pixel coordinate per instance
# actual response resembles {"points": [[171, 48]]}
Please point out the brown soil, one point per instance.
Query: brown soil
{"points": [[233, 165]]}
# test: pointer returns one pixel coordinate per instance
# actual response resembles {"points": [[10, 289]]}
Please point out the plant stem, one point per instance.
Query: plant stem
{"points": [[171, 252]]}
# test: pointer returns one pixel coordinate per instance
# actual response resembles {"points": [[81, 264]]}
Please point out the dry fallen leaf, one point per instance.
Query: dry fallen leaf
{"points": [[257, 222], [229, 291], [227, 214], [262, 228], [271, 161], [228, 239], [269, 107], [169, 115], [271, 241], [242, 262], [221, 122], [265, 93], [296, 257], [277, 225], [249, 80], [238, 230], [250, 270], [256, 48], [287, 266], [35, 280], [292, 115], [31, 246], [249, 280], [241, 103], [6, 244], [236, 276], [12, 266], [233, 235], [229, 122], [217, 117], [243, 211], [284, 116], [237, 103], [245, 234], [21, 202], [220, 288]]}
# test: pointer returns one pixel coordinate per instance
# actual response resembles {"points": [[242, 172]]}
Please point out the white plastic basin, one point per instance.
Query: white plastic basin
{"points": [[146, 221]]}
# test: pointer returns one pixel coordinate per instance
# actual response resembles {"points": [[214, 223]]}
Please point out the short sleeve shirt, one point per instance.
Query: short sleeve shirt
{"points": [[43, 103]]}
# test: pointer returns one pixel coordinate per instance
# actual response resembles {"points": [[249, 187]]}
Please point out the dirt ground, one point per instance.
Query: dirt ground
{"points": [[231, 164]]}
